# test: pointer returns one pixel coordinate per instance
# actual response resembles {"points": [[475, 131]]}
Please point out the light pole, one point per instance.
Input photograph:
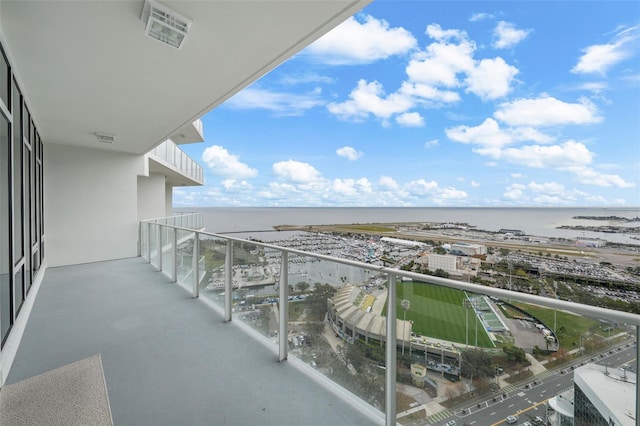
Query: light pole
{"points": [[476, 315], [465, 303], [406, 304], [583, 339]]}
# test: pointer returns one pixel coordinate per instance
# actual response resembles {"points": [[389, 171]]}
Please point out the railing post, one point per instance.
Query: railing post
{"points": [[174, 256], [149, 242], [283, 335], [159, 240], [391, 352], [228, 281], [196, 270]]}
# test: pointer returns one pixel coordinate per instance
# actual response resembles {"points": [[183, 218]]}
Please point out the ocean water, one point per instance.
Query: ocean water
{"points": [[533, 221]]}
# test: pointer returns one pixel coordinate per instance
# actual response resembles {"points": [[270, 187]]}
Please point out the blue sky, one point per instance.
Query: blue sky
{"points": [[439, 103]]}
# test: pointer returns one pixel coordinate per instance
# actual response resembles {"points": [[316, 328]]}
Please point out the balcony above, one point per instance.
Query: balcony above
{"points": [[178, 167], [168, 358], [189, 133]]}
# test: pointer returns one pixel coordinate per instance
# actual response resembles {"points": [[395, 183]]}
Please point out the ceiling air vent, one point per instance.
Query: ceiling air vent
{"points": [[105, 137], [164, 24]]}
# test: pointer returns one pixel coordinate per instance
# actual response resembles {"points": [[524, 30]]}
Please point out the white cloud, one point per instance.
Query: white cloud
{"points": [[571, 156], [388, 183], [491, 78], [551, 194], [475, 184], [349, 153], [433, 76], [223, 163], [491, 136], [424, 93], [368, 99], [410, 119], [593, 86], [420, 187], [598, 58], [308, 78], [361, 40], [296, 171], [451, 193], [351, 187], [236, 185], [562, 156], [506, 35], [589, 176], [547, 188], [480, 17], [440, 63], [437, 33], [431, 144], [280, 103], [514, 192], [547, 111]]}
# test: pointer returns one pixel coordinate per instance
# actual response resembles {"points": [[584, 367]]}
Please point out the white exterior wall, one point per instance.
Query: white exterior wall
{"points": [[442, 261], [90, 204], [168, 200], [151, 196]]}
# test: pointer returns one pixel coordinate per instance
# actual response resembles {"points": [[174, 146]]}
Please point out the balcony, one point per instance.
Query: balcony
{"points": [[185, 340], [169, 359], [180, 169], [189, 133]]}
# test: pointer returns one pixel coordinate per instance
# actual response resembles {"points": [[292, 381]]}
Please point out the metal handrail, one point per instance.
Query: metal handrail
{"points": [[393, 274]]}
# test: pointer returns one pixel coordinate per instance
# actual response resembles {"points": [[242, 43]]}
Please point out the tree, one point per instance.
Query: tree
{"points": [[482, 384], [302, 286], [439, 250], [504, 252], [476, 363], [441, 273], [514, 354]]}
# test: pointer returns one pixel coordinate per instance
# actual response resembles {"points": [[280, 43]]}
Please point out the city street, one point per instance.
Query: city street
{"points": [[529, 400]]}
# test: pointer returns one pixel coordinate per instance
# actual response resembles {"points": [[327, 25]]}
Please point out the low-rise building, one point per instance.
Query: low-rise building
{"points": [[600, 396]]}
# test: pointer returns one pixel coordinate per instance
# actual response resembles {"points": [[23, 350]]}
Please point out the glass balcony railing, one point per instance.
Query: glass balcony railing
{"points": [[458, 351], [171, 154]]}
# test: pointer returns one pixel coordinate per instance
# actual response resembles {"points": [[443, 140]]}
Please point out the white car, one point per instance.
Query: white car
{"points": [[512, 419]]}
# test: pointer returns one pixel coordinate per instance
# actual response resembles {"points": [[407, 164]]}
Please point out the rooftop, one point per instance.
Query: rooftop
{"points": [[615, 388]]}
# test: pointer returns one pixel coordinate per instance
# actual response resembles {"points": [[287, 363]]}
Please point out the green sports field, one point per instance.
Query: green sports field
{"points": [[438, 312]]}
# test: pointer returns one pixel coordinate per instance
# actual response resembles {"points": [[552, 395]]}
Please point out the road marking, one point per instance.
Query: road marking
{"points": [[472, 422], [510, 406], [558, 385], [492, 413], [522, 411]]}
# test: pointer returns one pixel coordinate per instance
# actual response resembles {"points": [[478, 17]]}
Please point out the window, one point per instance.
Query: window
{"points": [[17, 204], [4, 79], [6, 308]]}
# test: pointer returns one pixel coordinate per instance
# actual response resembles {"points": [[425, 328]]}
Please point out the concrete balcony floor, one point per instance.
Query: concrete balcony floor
{"points": [[170, 359]]}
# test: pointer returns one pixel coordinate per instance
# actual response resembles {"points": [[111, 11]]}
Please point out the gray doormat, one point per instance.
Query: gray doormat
{"points": [[75, 394]]}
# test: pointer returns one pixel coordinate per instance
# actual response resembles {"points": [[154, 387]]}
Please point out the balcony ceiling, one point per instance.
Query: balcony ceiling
{"points": [[88, 67]]}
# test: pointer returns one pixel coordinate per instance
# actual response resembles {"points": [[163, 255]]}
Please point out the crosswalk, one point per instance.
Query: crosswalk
{"points": [[441, 415]]}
